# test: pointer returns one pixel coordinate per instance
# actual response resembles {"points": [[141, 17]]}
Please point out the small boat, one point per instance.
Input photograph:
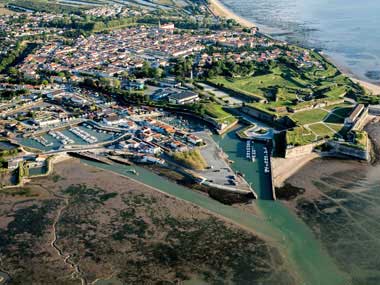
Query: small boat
{"points": [[133, 171]]}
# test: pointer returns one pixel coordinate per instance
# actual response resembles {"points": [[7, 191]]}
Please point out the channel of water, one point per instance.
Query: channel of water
{"points": [[275, 223]]}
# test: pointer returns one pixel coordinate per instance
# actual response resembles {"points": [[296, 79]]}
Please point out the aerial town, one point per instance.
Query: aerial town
{"points": [[174, 96], [114, 92]]}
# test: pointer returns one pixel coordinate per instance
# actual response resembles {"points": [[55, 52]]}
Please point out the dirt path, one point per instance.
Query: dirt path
{"points": [[77, 274]]}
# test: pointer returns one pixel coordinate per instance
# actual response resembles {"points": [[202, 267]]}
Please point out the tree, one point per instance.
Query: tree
{"points": [[13, 71], [145, 69], [116, 83], [157, 72]]}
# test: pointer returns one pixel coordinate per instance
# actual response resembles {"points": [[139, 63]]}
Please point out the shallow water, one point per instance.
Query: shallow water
{"points": [[304, 252], [346, 218], [347, 31]]}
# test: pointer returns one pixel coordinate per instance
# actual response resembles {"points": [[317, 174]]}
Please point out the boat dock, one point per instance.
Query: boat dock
{"points": [[90, 156], [119, 159]]}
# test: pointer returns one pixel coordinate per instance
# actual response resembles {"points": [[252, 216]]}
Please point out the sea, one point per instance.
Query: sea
{"points": [[345, 30]]}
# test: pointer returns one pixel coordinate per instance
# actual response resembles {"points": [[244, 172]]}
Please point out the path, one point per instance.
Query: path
{"points": [[77, 274]]}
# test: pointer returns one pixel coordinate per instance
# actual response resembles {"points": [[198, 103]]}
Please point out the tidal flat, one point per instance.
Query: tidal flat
{"points": [[84, 224], [340, 202]]}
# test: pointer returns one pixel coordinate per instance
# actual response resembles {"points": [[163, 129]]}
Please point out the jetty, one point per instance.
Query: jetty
{"points": [[90, 156]]}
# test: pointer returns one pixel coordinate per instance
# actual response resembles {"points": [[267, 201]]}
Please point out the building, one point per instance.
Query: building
{"points": [[133, 85], [185, 97], [167, 27], [152, 159], [194, 140], [113, 119], [55, 94], [354, 115]]}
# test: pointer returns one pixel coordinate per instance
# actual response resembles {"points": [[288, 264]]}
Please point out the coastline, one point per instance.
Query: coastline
{"points": [[221, 10], [371, 87], [284, 168]]}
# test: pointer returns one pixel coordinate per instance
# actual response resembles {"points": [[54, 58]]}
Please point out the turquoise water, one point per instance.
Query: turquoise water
{"points": [[277, 223], [56, 143], [348, 31]]}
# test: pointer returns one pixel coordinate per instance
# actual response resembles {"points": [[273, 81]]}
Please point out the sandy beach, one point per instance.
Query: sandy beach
{"points": [[283, 168], [373, 88], [222, 11]]}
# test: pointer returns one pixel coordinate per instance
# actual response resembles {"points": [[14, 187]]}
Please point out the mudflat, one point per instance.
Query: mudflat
{"points": [[82, 223], [340, 202]]}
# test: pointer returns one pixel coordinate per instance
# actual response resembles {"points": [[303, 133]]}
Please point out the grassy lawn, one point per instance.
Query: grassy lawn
{"points": [[216, 111], [343, 112], [336, 106], [310, 116], [337, 92], [299, 136], [333, 119], [321, 130], [336, 127], [361, 139], [338, 115], [288, 86], [261, 85]]}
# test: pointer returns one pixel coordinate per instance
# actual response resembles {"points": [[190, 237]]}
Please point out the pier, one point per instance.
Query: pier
{"points": [[90, 156], [260, 153]]}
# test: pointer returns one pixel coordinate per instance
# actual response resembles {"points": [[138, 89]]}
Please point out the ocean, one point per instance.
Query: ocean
{"points": [[346, 30]]}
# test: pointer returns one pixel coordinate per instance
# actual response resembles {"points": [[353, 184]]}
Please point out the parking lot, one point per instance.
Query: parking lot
{"points": [[219, 171]]}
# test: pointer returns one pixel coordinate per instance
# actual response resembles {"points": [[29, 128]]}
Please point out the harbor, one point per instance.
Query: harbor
{"points": [[289, 233]]}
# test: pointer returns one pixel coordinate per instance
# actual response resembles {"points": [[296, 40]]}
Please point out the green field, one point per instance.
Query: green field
{"points": [[309, 116], [317, 124], [299, 136], [258, 85], [338, 115], [333, 119], [343, 112], [282, 84], [336, 127], [216, 111], [321, 130]]}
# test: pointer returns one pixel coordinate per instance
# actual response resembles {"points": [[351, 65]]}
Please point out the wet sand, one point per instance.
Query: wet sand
{"points": [[222, 11], [283, 168], [371, 87], [340, 202]]}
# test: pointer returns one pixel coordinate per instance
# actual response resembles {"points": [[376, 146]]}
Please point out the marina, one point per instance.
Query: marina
{"points": [[84, 135], [42, 141]]}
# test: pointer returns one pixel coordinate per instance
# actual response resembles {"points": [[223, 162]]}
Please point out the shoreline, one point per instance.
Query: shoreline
{"points": [[368, 85], [373, 88], [285, 168], [219, 9]]}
